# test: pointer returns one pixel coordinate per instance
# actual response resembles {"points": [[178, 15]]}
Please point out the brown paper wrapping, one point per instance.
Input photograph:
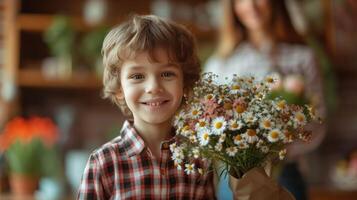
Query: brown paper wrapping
{"points": [[256, 185]]}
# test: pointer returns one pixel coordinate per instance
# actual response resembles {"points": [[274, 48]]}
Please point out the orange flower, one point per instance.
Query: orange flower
{"points": [[25, 130]]}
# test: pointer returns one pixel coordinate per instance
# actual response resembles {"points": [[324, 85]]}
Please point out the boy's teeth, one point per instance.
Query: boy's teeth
{"points": [[154, 104]]}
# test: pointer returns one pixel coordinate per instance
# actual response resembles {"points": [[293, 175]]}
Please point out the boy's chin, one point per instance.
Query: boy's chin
{"points": [[158, 121]]}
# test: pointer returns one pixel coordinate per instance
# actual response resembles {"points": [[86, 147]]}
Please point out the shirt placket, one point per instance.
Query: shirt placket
{"points": [[163, 170]]}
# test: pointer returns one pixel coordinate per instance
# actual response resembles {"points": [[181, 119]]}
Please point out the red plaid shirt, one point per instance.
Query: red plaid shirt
{"points": [[125, 169]]}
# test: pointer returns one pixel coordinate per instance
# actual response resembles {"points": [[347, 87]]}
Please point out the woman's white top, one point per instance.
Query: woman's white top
{"points": [[246, 60]]}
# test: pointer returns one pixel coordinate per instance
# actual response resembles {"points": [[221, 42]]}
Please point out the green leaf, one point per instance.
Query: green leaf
{"points": [[25, 158], [289, 97]]}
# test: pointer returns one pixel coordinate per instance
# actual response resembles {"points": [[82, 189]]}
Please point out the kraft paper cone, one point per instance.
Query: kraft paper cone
{"points": [[256, 185]]}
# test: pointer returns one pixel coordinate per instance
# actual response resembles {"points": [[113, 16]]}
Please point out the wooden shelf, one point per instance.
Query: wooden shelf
{"points": [[40, 22], [78, 80]]}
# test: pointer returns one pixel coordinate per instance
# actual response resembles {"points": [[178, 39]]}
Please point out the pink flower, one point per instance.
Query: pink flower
{"points": [[210, 107]]}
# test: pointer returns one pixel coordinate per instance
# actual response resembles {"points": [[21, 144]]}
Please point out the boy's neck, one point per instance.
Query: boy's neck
{"points": [[153, 134]]}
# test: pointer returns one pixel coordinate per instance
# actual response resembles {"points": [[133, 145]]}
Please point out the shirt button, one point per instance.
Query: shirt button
{"points": [[163, 172], [165, 146]]}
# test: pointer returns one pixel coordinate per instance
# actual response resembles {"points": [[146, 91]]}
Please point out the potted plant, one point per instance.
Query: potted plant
{"points": [[25, 143], [60, 38], [91, 46]]}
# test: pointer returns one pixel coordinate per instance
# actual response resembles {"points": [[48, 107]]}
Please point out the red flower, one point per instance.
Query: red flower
{"points": [[25, 130]]}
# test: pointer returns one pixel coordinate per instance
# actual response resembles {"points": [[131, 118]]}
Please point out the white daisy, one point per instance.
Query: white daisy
{"points": [[235, 88], [266, 123], [273, 81], [218, 147], [196, 153], [192, 138], [312, 111], [259, 143], [177, 155], [180, 119], [195, 112], [218, 125], [287, 137], [243, 145], [178, 166], [282, 154], [222, 138], [249, 117], [221, 98], [190, 168], [280, 105], [299, 118], [231, 151], [235, 125], [187, 131], [173, 146], [204, 136], [250, 136], [202, 123], [274, 135], [238, 139]]}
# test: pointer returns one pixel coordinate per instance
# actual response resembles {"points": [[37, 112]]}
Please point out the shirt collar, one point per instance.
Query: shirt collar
{"points": [[133, 143]]}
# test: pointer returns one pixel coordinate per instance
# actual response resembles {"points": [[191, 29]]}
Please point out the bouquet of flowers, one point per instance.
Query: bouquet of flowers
{"points": [[236, 124]]}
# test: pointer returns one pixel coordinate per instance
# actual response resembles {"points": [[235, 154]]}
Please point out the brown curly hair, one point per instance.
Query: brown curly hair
{"points": [[146, 33]]}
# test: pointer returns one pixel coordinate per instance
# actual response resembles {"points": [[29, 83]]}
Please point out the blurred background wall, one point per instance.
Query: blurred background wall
{"points": [[50, 66]]}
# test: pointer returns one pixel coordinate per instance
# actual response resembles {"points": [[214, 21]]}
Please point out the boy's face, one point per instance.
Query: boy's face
{"points": [[152, 90]]}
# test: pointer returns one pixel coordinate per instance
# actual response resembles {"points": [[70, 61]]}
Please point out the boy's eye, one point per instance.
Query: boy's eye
{"points": [[168, 74], [136, 76]]}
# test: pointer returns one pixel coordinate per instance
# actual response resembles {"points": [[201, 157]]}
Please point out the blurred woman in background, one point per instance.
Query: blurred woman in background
{"points": [[257, 38]]}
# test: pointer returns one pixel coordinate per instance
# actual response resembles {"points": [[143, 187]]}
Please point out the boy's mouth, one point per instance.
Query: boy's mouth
{"points": [[155, 103]]}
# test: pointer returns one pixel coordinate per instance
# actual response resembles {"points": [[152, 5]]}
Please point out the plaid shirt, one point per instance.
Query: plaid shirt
{"points": [[125, 169]]}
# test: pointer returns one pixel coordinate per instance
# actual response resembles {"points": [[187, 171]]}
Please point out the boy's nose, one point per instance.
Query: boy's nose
{"points": [[154, 86]]}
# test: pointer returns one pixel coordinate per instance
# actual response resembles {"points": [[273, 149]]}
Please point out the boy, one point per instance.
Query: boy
{"points": [[149, 64]]}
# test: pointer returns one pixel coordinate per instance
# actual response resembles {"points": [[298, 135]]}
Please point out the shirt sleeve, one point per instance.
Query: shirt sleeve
{"points": [[91, 186]]}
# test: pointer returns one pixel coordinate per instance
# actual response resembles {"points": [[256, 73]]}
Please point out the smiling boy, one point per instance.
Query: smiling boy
{"points": [[149, 64]]}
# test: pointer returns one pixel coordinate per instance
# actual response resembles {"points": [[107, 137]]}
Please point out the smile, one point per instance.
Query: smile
{"points": [[156, 103]]}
